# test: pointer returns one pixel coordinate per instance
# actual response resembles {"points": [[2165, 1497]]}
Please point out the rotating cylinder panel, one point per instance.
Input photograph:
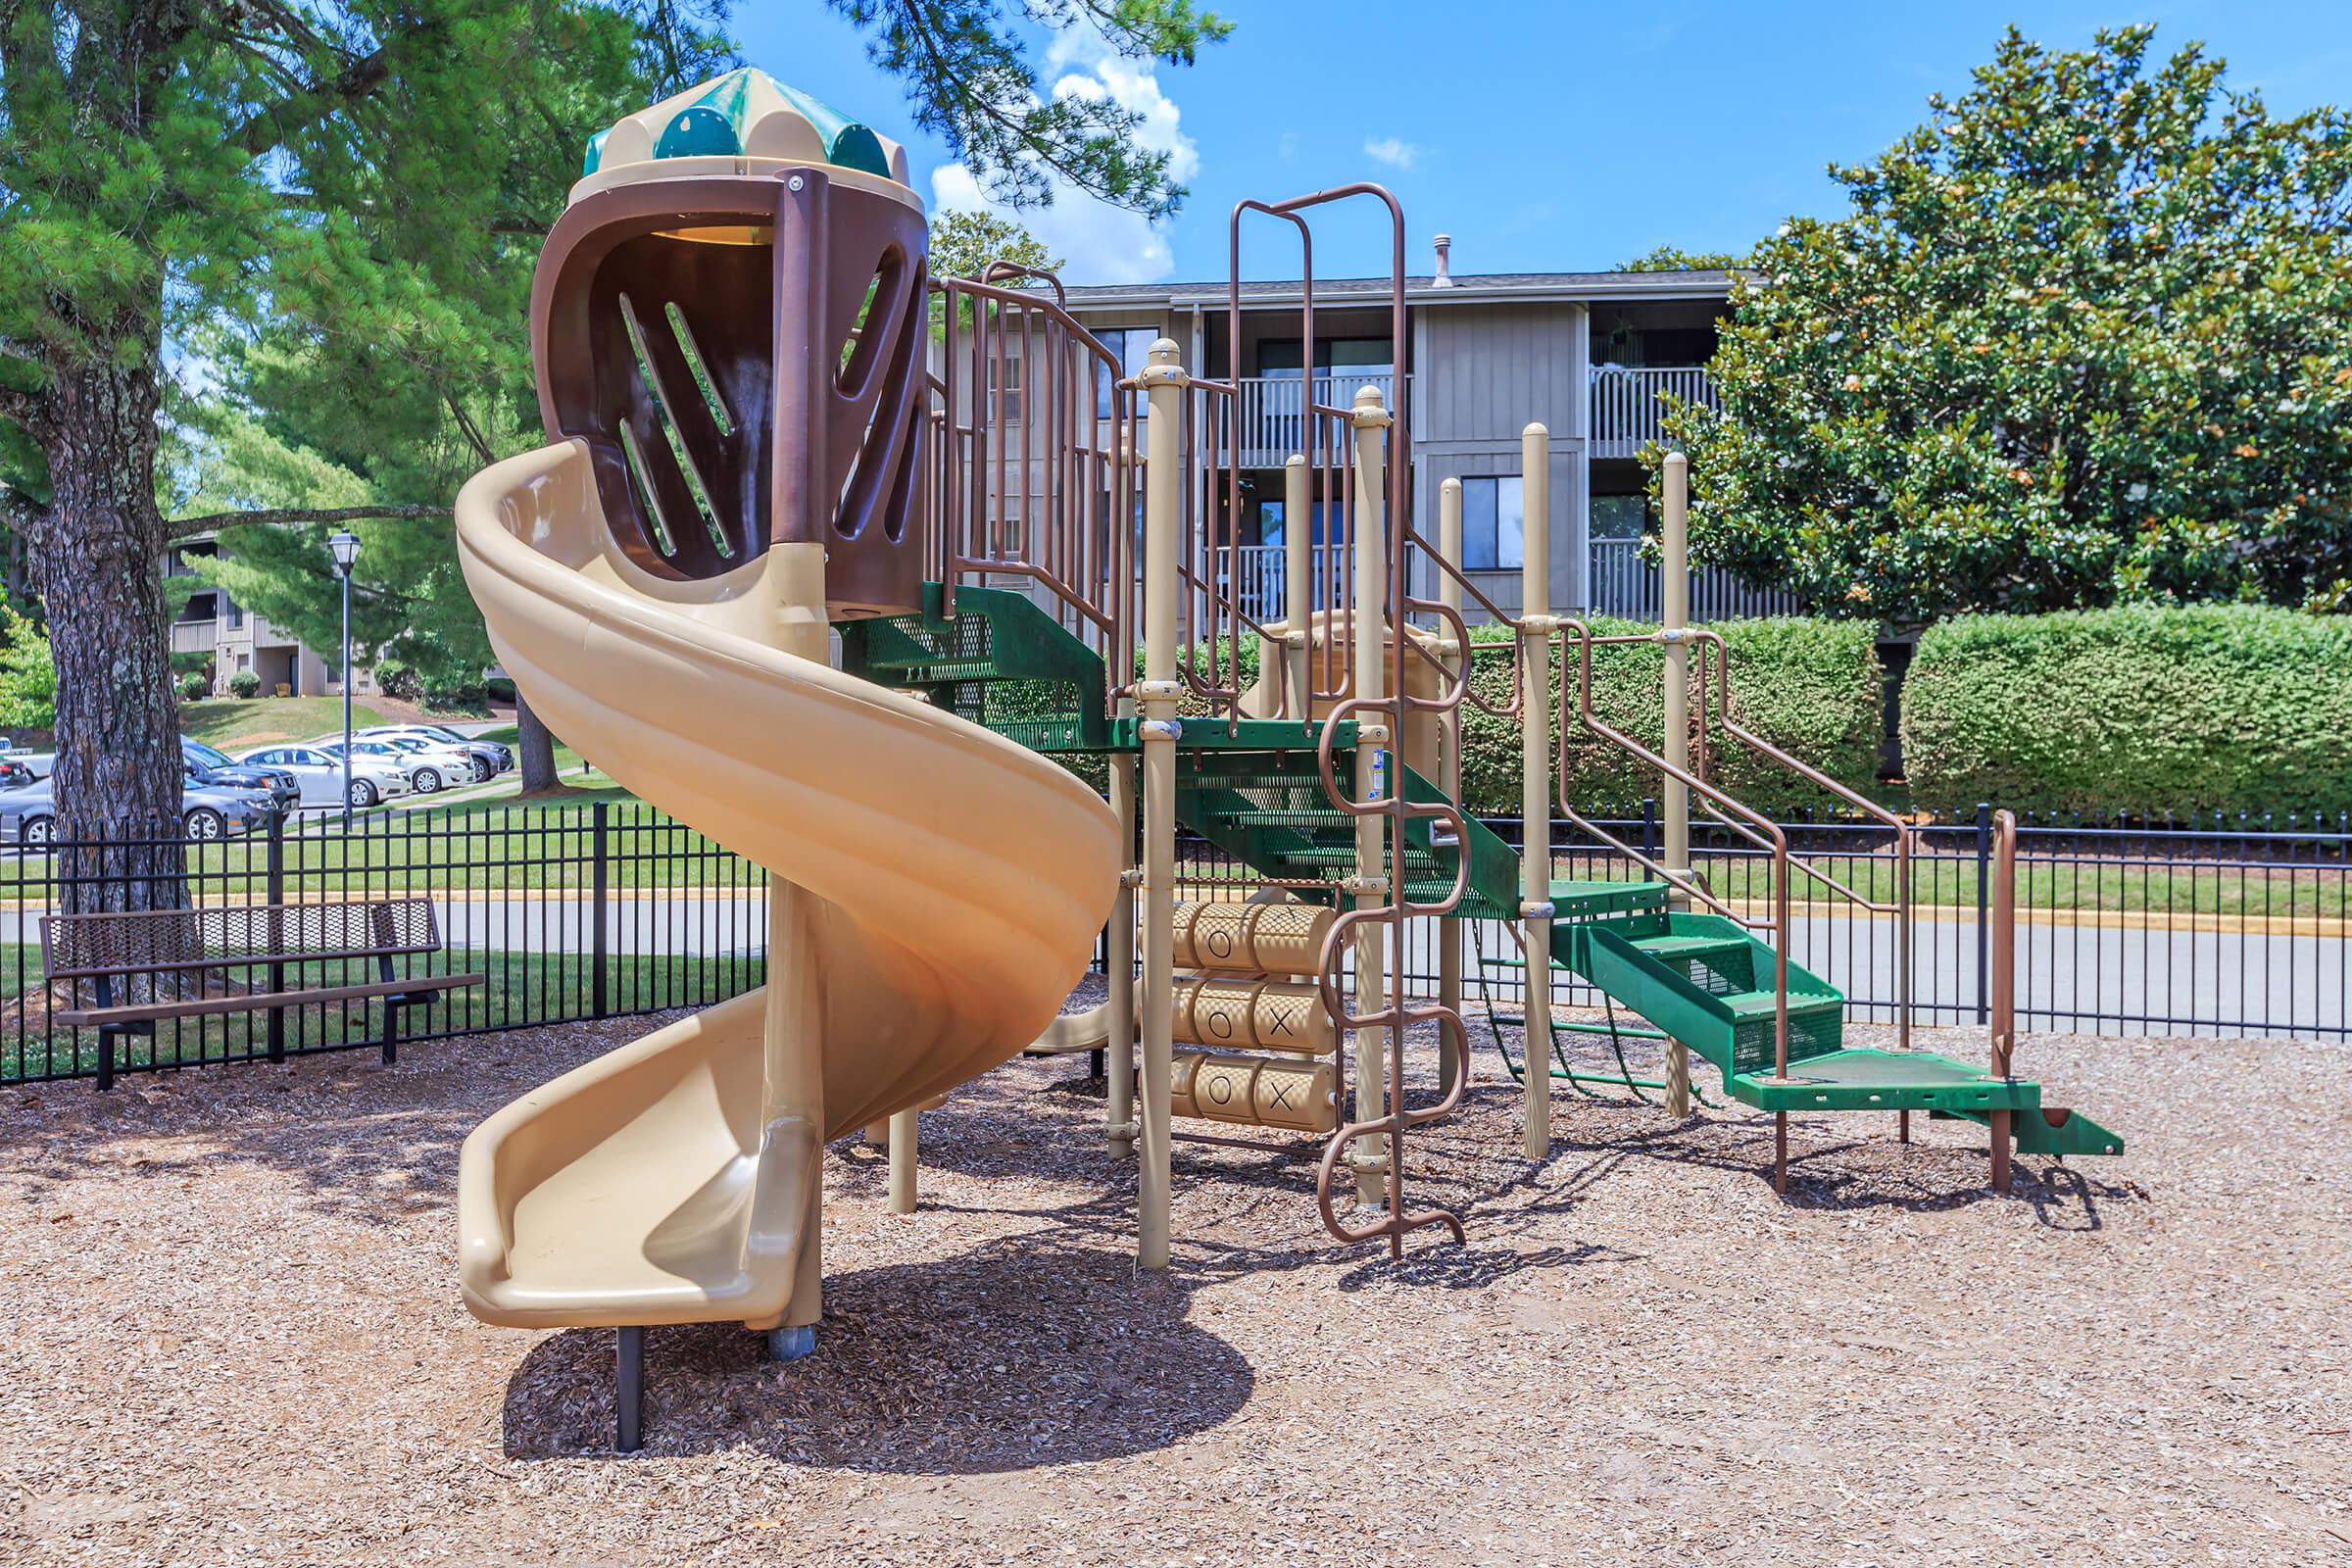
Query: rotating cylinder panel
{"points": [[1252, 1015], [1250, 938], [1256, 1091]]}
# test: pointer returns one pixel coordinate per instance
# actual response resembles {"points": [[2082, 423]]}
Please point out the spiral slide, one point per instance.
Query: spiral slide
{"points": [[937, 892]]}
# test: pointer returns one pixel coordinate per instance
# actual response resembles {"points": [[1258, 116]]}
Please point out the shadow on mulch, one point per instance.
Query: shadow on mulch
{"points": [[1029, 1352]]}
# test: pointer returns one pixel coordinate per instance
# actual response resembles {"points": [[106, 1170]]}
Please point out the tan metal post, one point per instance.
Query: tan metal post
{"points": [[1298, 564], [2002, 980], [1164, 380], [1535, 781], [902, 1133], [793, 1073], [1675, 801], [1370, 1053], [1119, 959], [1449, 757]]}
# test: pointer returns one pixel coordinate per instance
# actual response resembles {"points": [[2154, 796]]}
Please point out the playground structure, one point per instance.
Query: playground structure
{"points": [[757, 447]]}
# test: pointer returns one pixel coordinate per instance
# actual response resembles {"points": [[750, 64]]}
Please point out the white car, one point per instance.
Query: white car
{"points": [[490, 758], [320, 772], [429, 768], [434, 763]]}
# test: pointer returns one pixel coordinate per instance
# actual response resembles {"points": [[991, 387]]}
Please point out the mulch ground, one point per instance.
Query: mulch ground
{"points": [[232, 1336]]}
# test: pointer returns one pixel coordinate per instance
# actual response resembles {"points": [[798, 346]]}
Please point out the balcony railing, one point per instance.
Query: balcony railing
{"points": [[1259, 593], [1626, 408], [194, 636], [1624, 584], [1268, 416]]}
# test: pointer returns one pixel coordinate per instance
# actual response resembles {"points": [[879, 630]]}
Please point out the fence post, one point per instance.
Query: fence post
{"points": [[274, 891], [1984, 888], [599, 1002], [1649, 826]]}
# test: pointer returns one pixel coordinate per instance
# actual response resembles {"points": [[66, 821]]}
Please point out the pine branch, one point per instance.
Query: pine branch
{"points": [[187, 530], [470, 431], [271, 125]]}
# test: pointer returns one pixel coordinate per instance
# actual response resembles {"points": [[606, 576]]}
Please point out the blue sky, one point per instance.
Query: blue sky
{"points": [[1542, 136]]}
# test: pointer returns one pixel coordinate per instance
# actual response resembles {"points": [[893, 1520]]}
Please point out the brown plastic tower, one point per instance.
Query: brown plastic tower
{"points": [[743, 355]]}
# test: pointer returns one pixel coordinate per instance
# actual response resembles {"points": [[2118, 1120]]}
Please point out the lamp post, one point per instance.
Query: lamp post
{"points": [[346, 546]]}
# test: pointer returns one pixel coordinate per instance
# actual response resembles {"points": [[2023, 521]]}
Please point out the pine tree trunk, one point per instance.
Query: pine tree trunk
{"points": [[97, 560], [534, 749]]}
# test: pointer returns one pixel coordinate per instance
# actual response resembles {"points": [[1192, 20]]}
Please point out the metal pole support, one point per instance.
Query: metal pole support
{"points": [[1675, 597], [1534, 785], [1449, 764], [1370, 678], [1164, 382]]}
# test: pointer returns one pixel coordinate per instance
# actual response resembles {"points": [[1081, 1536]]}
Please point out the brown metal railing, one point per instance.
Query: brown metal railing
{"points": [[1905, 835], [1747, 822], [2001, 983], [1033, 480], [1338, 694]]}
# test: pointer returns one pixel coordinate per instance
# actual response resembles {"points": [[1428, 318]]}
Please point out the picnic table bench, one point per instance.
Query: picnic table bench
{"points": [[170, 947]]}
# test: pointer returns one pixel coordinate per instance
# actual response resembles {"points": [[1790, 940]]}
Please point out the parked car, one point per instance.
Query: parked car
{"points": [[319, 774], [430, 769], [489, 757], [29, 815], [210, 766], [14, 773]]}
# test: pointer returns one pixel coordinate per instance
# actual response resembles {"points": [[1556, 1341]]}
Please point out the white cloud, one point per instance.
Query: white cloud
{"points": [[1099, 242], [1393, 151]]}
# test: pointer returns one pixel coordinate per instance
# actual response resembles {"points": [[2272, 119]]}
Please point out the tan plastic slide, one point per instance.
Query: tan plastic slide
{"points": [[938, 891]]}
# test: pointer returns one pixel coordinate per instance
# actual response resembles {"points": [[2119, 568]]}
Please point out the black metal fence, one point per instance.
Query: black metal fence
{"points": [[572, 912], [2209, 926], [2237, 927]]}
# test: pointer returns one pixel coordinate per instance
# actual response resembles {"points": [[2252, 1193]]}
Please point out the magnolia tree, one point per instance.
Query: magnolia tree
{"points": [[2084, 336]]}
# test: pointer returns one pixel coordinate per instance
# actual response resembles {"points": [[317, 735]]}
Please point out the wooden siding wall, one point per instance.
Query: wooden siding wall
{"points": [[1484, 374]]}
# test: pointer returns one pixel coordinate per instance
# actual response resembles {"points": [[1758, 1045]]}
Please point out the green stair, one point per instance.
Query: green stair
{"points": [[1252, 790], [1002, 663]]}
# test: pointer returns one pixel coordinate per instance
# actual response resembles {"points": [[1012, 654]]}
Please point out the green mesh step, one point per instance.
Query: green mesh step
{"points": [[1692, 947], [1001, 662], [1865, 1078]]}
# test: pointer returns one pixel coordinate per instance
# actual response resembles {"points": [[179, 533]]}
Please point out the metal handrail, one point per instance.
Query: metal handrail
{"points": [[1774, 838], [2001, 1004], [1905, 833], [1086, 461]]}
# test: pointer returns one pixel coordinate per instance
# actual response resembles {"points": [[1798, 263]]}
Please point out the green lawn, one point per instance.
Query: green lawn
{"points": [[2132, 887], [234, 724], [519, 987]]}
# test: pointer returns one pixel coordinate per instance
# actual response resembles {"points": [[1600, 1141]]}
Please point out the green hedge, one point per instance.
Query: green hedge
{"points": [[1810, 687], [2224, 707]]}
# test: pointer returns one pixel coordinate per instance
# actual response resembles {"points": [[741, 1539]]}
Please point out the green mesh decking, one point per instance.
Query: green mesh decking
{"points": [[1001, 663], [1271, 814]]}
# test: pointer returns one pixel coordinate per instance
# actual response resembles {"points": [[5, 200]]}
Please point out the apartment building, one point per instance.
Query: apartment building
{"points": [[1591, 356], [236, 639]]}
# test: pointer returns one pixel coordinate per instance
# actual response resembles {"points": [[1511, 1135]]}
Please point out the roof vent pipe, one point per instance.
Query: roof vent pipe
{"points": [[1444, 277]]}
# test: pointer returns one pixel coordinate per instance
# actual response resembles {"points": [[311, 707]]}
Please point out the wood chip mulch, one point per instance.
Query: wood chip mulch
{"points": [[232, 1336]]}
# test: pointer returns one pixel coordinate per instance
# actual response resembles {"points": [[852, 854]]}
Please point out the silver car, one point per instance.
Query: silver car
{"points": [[29, 815], [320, 773]]}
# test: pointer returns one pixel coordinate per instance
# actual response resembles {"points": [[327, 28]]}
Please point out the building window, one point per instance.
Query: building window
{"points": [[1004, 389], [1133, 346], [232, 612], [1493, 524]]}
